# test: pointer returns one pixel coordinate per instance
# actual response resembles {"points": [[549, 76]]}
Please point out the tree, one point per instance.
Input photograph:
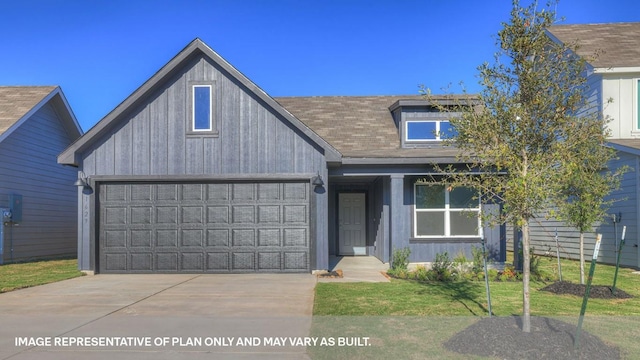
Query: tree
{"points": [[585, 187], [528, 128]]}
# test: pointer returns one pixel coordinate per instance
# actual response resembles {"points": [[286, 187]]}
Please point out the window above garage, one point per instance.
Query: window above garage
{"points": [[428, 130], [201, 119]]}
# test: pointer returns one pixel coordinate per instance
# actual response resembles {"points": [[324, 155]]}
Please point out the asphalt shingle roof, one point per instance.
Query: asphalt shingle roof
{"points": [[16, 101], [617, 44], [358, 126]]}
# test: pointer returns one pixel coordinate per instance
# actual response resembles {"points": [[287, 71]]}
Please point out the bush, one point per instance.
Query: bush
{"points": [[477, 266], [421, 273], [400, 259], [441, 267]]}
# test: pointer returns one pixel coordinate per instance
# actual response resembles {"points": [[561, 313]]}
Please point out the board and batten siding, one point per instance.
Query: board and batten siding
{"points": [[253, 141], [622, 91], [542, 229], [28, 167], [252, 138]]}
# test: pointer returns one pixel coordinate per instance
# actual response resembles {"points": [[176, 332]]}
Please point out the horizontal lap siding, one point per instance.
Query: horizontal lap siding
{"points": [[28, 167], [542, 229], [252, 138]]}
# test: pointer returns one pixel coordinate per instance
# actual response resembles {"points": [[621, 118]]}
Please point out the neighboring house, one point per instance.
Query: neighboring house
{"points": [[613, 55], [36, 124], [199, 170]]}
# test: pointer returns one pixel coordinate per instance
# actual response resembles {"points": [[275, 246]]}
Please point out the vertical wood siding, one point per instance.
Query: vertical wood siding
{"points": [[28, 167], [153, 141], [620, 89]]}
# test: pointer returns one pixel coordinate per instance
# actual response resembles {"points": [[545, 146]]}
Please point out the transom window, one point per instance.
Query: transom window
{"points": [[444, 212], [201, 108], [428, 130]]}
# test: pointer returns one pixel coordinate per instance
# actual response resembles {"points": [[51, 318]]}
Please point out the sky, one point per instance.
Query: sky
{"points": [[100, 51]]}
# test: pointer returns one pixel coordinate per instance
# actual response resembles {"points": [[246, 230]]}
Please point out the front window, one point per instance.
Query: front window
{"points": [[428, 130], [202, 120], [442, 211]]}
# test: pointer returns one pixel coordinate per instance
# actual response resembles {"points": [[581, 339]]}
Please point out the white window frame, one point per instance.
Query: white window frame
{"points": [[636, 104], [447, 215], [437, 134], [193, 107]]}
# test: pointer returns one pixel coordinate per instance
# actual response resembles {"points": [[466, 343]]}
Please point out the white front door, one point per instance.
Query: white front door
{"points": [[352, 225]]}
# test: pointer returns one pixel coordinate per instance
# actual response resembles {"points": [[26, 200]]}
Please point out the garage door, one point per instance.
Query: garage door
{"points": [[203, 227]]}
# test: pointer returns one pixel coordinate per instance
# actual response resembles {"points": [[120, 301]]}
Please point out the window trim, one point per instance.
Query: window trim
{"points": [[437, 131], [191, 130], [636, 104], [447, 216]]}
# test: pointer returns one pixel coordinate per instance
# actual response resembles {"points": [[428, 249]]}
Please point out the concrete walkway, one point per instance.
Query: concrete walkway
{"points": [[170, 317], [357, 269]]}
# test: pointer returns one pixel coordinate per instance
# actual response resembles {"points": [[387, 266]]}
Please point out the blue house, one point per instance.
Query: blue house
{"points": [[200, 170]]}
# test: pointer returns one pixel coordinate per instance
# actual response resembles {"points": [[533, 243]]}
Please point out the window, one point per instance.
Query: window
{"points": [[424, 130], [201, 108], [445, 212]]}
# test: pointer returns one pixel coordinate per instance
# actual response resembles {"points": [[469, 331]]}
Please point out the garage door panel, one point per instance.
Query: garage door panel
{"points": [[236, 227]]}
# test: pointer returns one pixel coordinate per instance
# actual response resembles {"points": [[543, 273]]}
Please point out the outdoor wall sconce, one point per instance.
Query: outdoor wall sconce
{"points": [[317, 180], [83, 181]]}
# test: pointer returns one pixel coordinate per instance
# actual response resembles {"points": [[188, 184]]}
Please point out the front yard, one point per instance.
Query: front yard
{"points": [[410, 319]]}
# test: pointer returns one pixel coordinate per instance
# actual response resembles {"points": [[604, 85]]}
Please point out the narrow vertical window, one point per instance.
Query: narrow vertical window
{"points": [[202, 108]]}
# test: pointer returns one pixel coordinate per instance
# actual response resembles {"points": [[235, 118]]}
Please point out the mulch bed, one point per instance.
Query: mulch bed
{"points": [[549, 339], [596, 292]]}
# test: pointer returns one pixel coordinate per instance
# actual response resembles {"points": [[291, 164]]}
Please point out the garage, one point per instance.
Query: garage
{"points": [[204, 227]]}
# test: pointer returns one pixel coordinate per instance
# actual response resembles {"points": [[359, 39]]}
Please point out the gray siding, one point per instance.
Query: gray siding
{"points": [[28, 167], [153, 140], [252, 139], [542, 229]]}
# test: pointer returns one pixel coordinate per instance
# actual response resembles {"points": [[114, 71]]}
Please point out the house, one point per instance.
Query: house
{"points": [[613, 55], [37, 205], [200, 170]]}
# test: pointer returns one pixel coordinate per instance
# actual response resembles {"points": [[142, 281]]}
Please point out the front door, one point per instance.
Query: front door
{"points": [[352, 225]]}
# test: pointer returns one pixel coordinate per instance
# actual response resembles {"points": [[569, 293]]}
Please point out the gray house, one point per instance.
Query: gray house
{"points": [[613, 53], [37, 207], [199, 170]]}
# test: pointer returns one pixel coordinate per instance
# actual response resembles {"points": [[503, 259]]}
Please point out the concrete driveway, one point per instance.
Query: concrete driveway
{"points": [[160, 316]]}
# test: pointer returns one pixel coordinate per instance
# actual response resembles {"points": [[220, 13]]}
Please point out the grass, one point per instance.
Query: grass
{"points": [[22, 275], [402, 314]]}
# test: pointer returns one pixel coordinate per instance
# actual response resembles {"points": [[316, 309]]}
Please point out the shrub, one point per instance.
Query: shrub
{"points": [[477, 266], [400, 259], [442, 267], [421, 273]]}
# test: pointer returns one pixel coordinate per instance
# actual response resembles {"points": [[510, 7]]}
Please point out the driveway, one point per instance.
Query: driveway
{"points": [[159, 316]]}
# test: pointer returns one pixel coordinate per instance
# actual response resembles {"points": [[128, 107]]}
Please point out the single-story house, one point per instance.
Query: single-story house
{"points": [[613, 74], [38, 208], [200, 170]]}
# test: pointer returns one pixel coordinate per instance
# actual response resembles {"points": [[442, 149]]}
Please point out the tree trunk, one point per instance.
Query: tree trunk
{"points": [[526, 274], [581, 258]]}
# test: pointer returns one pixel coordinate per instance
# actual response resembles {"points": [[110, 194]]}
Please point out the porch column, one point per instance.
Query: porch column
{"points": [[398, 220]]}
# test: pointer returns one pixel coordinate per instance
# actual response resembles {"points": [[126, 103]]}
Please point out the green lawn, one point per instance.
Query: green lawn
{"points": [[22, 275], [402, 315]]}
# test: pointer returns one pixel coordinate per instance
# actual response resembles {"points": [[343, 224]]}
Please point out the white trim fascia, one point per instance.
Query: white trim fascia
{"points": [[617, 70]]}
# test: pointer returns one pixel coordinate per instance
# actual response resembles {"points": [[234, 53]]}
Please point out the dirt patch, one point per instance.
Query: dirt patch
{"points": [[549, 339], [596, 292], [331, 274]]}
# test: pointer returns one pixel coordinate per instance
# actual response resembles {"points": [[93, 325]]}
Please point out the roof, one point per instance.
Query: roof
{"points": [[361, 126], [195, 48], [617, 44], [631, 146], [18, 103]]}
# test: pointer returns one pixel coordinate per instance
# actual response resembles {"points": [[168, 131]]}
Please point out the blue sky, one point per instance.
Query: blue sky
{"points": [[100, 51]]}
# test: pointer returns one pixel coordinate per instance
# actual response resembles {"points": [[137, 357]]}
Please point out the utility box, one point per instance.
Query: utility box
{"points": [[15, 205]]}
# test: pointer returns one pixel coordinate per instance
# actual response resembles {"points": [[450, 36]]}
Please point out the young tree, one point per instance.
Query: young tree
{"points": [[521, 140], [586, 184]]}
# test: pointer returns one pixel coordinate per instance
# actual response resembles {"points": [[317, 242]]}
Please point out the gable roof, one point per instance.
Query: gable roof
{"points": [[616, 44], [362, 127], [18, 103], [195, 48]]}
